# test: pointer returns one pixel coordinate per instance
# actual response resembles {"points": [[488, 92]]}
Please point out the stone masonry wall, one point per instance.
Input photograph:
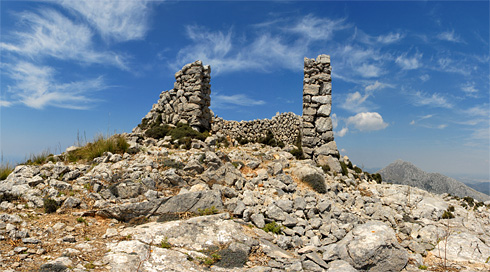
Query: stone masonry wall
{"points": [[318, 141], [188, 102], [284, 126]]}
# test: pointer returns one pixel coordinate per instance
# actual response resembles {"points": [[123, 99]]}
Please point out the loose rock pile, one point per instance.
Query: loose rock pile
{"points": [[160, 209]]}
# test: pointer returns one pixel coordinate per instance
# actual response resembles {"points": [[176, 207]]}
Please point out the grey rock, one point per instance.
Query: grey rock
{"points": [[258, 220], [340, 266], [372, 246], [275, 213]]}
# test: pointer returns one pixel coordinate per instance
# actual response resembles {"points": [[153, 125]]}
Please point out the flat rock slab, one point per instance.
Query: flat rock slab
{"points": [[463, 247]]}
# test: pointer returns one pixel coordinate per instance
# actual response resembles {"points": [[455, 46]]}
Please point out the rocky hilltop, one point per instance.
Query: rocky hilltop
{"points": [[401, 172], [174, 196]]}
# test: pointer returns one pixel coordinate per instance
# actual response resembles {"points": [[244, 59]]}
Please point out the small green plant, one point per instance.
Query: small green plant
{"points": [[298, 151], [316, 182], [82, 220], [208, 211], [357, 169], [450, 208], [50, 205], [377, 177], [89, 265], [273, 227], [469, 200], [488, 259], [345, 172], [5, 170], [238, 164], [38, 159], [215, 257], [447, 215], [165, 243], [88, 187], [422, 267], [325, 168]]}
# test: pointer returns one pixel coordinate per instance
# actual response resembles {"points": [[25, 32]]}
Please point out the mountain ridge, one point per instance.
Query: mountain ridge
{"points": [[402, 172]]}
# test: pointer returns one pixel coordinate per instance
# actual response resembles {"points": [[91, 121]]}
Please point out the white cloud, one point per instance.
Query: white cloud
{"points": [[449, 36], [118, 20], [424, 77], [51, 34], [369, 70], [342, 132], [412, 122], [335, 121], [409, 63], [478, 110], [243, 100], [389, 38], [36, 87], [367, 121], [434, 100], [357, 102], [5, 104], [469, 89], [442, 126], [314, 28]]}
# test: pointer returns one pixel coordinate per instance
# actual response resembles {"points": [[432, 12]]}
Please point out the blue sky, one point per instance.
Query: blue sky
{"points": [[410, 79]]}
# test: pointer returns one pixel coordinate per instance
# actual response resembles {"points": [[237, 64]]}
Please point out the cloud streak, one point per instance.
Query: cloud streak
{"points": [[367, 121], [36, 87]]}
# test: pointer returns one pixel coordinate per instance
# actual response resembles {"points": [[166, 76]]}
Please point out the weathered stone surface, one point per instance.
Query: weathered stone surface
{"points": [[462, 247], [372, 246], [323, 124], [340, 266], [311, 89]]}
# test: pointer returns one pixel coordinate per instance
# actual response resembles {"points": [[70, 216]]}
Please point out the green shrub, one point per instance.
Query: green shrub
{"points": [[50, 205], [349, 165], [115, 144], [184, 130], [357, 169], [5, 170], [377, 177], [273, 227], [5, 196], [450, 208], [157, 132], [469, 200], [345, 172], [297, 153], [447, 215], [212, 260], [325, 168], [316, 182], [422, 267], [242, 141]]}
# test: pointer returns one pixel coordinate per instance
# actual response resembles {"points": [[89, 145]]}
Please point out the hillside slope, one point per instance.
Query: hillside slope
{"points": [[402, 172]]}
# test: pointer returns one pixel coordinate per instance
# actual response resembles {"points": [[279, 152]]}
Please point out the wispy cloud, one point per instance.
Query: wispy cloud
{"points": [[357, 102], [449, 36], [315, 28], [49, 33], [342, 132], [4, 103], [434, 100], [409, 63], [482, 110], [379, 40], [117, 20], [36, 87], [367, 121], [424, 77], [220, 101], [469, 89]]}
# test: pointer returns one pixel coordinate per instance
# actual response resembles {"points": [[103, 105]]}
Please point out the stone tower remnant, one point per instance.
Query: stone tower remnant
{"points": [[188, 102], [317, 135]]}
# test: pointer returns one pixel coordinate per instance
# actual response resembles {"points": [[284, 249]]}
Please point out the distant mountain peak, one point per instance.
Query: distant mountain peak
{"points": [[403, 172]]}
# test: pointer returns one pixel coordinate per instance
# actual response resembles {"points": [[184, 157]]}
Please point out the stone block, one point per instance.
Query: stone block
{"points": [[326, 88], [322, 99], [312, 89], [324, 110], [309, 111], [323, 124], [327, 136], [323, 59]]}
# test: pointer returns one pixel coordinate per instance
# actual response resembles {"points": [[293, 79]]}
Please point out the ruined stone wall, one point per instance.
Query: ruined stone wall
{"points": [[284, 126], [188, 102], [318, 141]]}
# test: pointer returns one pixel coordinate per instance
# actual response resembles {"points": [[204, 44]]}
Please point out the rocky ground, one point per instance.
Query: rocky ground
{"points": [[242, 208]]}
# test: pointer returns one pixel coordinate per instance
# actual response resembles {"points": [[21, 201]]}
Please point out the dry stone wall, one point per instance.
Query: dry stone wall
{"points": [[188, 102], [285, 127]]}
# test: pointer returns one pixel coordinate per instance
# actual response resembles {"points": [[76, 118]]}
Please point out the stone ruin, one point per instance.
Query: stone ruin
{"points": [[188, 102]]}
